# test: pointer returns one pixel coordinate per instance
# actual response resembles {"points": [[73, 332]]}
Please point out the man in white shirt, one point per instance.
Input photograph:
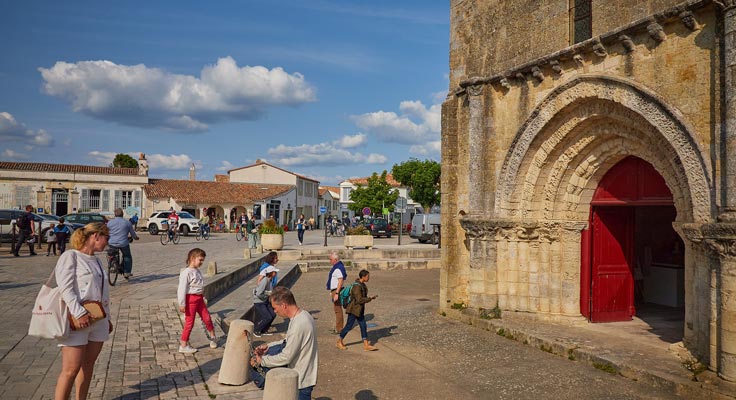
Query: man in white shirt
{"points": [[297, 351], [335, 280]]}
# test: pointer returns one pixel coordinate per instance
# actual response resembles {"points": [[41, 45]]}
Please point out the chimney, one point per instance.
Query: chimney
{"points": [[142, 164], [192, 173]]}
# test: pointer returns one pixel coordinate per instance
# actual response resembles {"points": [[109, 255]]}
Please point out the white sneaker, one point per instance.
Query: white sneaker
{"points": [[213, 344], [187, 349]]}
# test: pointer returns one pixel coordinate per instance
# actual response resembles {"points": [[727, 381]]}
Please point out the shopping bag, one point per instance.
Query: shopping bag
{"points": [[49, 315]]}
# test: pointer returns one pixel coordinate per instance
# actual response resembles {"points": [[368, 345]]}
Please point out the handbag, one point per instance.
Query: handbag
{"points": [[94, 309], [49, 315]]}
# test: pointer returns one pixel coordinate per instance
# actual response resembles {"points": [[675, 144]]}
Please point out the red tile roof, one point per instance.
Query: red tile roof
{"points": [[323, 189], [66, 168], [364, 181], [184, 191], [261, 162]]}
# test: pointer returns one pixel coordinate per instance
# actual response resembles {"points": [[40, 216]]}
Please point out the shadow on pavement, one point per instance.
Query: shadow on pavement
{"points": [[151, 278], [4, 286], [154, 387]]}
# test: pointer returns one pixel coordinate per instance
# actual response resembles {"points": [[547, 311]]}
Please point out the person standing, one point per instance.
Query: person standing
{"points": [[252, 232], [134, 221], [264, 312], [27, 231], [75, 269], [190, 296], [297, 351], [300, 228], [356, 311], [50, 240], [62, 233], [120, 230], [335, 280]]}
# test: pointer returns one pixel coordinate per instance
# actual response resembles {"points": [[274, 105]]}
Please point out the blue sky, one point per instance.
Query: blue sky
{"points": [[331, 89]]}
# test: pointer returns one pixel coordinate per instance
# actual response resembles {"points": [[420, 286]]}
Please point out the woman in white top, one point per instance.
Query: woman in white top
{"points": [[80, 277]]}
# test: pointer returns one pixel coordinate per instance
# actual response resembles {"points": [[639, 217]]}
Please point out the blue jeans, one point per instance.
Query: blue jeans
{"points": [[127, 259], [349, 325], [300, 234]]}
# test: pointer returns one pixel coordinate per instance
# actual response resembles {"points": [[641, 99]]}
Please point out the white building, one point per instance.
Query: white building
{"points": [[347, 186], [306, 200]]}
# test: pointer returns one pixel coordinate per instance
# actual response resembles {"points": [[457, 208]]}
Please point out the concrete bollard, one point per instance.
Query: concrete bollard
{"points": [[281, 384], [212, 268], [235, 363], [259, 248], [246, 254]]}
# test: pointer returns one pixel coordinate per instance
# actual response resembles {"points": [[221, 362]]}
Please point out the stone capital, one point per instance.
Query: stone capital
{"points": [[474, 90], [718, 237]]}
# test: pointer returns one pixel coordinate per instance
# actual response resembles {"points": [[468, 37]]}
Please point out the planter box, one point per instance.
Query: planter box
{"points": [[352, 241], [272, 241]]}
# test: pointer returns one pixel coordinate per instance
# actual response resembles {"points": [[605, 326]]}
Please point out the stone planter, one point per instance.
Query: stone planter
{"points": [[272, 241], [359, 241]]}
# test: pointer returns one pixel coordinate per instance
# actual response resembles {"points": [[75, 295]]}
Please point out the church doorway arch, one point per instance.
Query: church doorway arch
{"points": [[632, 257]]}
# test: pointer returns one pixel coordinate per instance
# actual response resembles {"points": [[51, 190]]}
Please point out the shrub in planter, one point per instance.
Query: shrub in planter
{"points": [[358, 237], [272, 235]]}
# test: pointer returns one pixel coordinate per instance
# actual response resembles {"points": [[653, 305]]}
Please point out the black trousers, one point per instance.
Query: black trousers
{"points": [[23, 237]]}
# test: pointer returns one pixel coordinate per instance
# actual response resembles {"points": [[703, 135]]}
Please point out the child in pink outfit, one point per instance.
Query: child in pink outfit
{"points": [[190, 296]]}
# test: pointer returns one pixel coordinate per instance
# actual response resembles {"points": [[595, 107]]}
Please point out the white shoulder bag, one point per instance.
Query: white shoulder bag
{"points": [[49, 318]]}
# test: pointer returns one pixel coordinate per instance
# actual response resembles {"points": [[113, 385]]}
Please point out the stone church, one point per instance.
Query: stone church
{"points": [[589, 164]]}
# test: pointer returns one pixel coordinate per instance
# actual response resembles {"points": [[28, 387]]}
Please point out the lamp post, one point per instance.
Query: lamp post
{"points": [[325, 224]]}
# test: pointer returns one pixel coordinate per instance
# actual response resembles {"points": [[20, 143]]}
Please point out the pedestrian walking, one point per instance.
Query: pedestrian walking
{"points": [[264, 312], [356, 311], [335, 280], [300, 226], [297, 351], [191, 300], [61, 232], [252, 232], [76, 269], [27, 231], [50, 240]]}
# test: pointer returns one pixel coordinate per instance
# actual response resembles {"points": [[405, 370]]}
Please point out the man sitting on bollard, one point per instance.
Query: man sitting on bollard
{"points": [[297, 351]]}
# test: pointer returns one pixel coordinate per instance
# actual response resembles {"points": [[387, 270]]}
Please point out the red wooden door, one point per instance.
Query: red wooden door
{"points": [[612, 282]]}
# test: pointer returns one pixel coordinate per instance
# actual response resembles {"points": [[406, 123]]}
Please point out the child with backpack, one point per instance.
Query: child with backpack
{"points": [[353, 298], [191, 300]]}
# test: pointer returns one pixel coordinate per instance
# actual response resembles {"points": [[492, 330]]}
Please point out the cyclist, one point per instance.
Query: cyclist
{"points": [[204, 222], [173, 222], [243, 220], [120, 229]]}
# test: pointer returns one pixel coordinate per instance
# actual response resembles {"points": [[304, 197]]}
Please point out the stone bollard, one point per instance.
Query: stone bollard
{"points": [[246, 254], [212, 268], [259, 248], [303, 266], [235, 363], [281, 384]]}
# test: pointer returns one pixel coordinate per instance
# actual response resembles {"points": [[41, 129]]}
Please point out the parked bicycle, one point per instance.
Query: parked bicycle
{"points": [[114, 267], [170, 236], [204, 232]]}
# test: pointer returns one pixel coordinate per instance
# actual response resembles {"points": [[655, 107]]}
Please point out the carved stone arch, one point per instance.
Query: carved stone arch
{"points": [[660, 120]]}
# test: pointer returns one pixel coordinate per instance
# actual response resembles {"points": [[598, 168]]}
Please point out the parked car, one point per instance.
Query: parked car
{"points": [[380, 227], [84, 218], [422, 227], [187, 222], [49, 219], [8, 218]]}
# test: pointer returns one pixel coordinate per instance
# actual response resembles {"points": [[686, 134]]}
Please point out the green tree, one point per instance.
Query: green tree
{"points": [[124, 161], [376, 194], [422, 178]]}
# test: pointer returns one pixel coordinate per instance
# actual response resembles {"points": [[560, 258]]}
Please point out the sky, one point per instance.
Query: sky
{"points": [[330, 89]]}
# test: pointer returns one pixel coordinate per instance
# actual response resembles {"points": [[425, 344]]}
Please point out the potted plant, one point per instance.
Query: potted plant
{"points": [[358, 237], [272, 235]]}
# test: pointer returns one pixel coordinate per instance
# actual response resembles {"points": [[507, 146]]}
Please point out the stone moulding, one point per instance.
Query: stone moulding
{"points": [[717, 237], [494, 229], [597, 45]]}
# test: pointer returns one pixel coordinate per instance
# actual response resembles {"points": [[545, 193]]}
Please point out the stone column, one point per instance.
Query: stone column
{"points": [[729, 70], [281, 384], [721, 238], [475, 148], [236, 359], [482, 281], [570, 278]]}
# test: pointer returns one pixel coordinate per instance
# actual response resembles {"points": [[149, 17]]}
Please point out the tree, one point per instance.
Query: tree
{"points": [[422, 178], [376, 194], [124, 161]]}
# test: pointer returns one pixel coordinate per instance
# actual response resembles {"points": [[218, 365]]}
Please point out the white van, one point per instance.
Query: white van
{"points": [[422, 227]]}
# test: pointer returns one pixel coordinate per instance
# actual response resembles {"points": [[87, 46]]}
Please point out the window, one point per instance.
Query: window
{"points": [[581, 20], [22, 196], [123, 199], [345, 196]]}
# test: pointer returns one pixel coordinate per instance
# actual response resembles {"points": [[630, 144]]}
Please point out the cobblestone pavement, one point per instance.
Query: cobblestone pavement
{"points": [[422, 355]]}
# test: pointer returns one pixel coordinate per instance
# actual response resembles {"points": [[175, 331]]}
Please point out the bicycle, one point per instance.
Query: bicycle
{"points": [[114, 268], [240, 234], [170, 236], [204, 232]]}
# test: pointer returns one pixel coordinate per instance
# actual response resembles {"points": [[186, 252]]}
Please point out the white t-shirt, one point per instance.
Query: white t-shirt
{"points": [[336, 274]]}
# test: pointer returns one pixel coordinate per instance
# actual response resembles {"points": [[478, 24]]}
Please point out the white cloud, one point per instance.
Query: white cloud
{"points": [[390, 127], [226, 166], [152, 98], [427, 149], [320, 154], [171, 162], [349, 142], [103, 158], [12, 130], [13, 155]]}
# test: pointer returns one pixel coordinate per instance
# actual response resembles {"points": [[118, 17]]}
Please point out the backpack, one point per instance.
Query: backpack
{"points": [[345, 295], [24, 221]]}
